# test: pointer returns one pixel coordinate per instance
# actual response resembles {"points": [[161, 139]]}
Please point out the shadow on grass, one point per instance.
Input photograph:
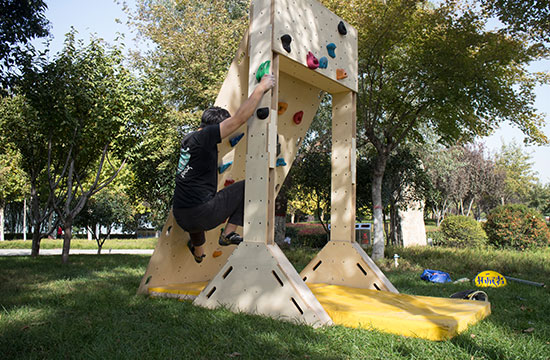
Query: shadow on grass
{"points": [[89, 309]]}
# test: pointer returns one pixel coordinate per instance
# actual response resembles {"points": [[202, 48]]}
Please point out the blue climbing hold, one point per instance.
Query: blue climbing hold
{"points": [[323, 62], [330, 48], [235, 139], [281, 162], [224, 167]]}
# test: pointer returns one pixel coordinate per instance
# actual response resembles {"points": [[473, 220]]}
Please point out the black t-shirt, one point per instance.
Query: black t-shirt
{"points": [[197, 174]]}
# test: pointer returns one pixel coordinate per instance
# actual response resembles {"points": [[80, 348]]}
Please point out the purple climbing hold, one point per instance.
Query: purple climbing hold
{"points": [[312, 61]]}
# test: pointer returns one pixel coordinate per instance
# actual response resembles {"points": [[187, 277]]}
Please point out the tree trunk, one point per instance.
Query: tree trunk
{"points": [[25, 219], [67, 235], [35, 248], [378, 238], [2, 222]]}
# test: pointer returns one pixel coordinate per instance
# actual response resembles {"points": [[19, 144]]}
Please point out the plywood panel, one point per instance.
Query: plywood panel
{"points": [[343, 173], [312, 27], [344, 263], [259, 279]]}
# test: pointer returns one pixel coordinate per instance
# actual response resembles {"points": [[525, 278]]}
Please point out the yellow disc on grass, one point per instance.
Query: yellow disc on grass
{"points": [[490, 278]]}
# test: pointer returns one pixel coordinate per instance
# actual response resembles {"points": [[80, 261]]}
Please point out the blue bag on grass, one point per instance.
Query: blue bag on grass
{"points": [[435, 276]]}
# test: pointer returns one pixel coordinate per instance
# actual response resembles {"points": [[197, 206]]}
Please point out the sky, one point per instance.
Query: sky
{"points": [[99, 17]]}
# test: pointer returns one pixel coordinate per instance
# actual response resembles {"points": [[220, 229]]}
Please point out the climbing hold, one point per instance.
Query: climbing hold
{"points": [[341, 74], [228, 182], [286, 40], [224, 167], [262, 113], [323, 62], [312, 61], [330, 48], [297, 118], [216, 253], [281, 162], [282, 106], [263, 70], [278, 146], [342, 28], [235, 139]]}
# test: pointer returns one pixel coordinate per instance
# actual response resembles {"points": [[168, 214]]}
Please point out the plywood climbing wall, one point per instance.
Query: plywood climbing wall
{"points": [[310, 51]]}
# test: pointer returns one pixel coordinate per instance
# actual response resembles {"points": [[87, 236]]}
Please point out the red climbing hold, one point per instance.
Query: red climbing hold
{"points": [[228, 182], [298, 117], [312, 61]]}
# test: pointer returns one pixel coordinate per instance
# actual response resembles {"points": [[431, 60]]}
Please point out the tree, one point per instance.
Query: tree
{"points": [[22, 128], [20, 22], [92, 110], [531, 17], [195, 43], [423, 66], [520, 178], [106, 210], [13, 182]]}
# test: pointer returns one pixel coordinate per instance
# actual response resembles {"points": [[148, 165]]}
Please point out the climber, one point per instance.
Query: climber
{"points": [[196, 204]]}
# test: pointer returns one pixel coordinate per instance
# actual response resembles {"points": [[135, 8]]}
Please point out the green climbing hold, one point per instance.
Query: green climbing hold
{"points": [[263, 70]]}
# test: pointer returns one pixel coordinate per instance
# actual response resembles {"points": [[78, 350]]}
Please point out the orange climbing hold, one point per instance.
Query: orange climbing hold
{"points": [[216, 253], [282, 106], [341, 74]]}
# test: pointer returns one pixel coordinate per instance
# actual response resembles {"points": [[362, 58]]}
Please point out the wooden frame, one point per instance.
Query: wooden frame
{"points": [[256, 277]]}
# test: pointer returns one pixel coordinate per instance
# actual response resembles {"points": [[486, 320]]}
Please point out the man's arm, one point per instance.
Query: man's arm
{"points": [[245, 111]]}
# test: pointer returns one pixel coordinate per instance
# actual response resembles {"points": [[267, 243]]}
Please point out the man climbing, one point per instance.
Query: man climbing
{"points": [[197, 206]]}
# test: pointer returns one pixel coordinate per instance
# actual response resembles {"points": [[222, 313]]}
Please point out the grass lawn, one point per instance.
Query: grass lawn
{"points": [[88, 310], [145, 243]]}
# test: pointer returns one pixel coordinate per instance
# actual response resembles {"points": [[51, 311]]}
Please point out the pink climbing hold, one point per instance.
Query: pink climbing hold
{"points": [[312, 61], [297, 118]]}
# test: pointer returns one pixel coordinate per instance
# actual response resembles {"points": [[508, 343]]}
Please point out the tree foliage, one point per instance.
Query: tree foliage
{"points": [[421, 66], [530, 17], [20, 22], [520, 178], [88, 109]]}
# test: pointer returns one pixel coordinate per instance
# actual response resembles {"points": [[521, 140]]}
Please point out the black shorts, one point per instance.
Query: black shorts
{"points": [[227, 203]]}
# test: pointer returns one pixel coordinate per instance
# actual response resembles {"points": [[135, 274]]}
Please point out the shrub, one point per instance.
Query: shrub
{"points": [[517, 226], [437, 237], [310, 240], [462, 231]]}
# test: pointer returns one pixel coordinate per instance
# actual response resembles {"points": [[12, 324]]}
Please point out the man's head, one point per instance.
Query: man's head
{"points": [[213, 116]]}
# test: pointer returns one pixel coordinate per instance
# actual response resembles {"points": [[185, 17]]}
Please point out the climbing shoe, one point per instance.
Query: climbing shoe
{"points": [[230, 239], [198, 259]]}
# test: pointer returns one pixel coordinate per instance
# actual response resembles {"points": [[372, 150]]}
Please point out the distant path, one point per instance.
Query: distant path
{"points": [[27, 252]]}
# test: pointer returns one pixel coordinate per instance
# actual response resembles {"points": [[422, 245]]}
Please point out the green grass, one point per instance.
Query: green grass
{"points": [[145, 243], [88, 310]]}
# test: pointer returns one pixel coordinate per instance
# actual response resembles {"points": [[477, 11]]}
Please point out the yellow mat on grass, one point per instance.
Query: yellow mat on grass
{"points": [[424, 317]]}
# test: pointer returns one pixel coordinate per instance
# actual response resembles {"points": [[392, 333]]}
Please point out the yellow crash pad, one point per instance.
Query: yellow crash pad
{"points": [[409, 315]]}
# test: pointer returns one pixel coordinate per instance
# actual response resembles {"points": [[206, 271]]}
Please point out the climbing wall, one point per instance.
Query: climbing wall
{"points": [[310, 51]]}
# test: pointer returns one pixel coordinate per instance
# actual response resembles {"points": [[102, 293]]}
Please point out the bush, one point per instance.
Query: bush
{"points": [[462, 231], [517, 226], [310, 240]]}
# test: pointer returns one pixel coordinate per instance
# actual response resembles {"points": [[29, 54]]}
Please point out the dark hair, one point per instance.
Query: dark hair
{"points": [[214, 115]]}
